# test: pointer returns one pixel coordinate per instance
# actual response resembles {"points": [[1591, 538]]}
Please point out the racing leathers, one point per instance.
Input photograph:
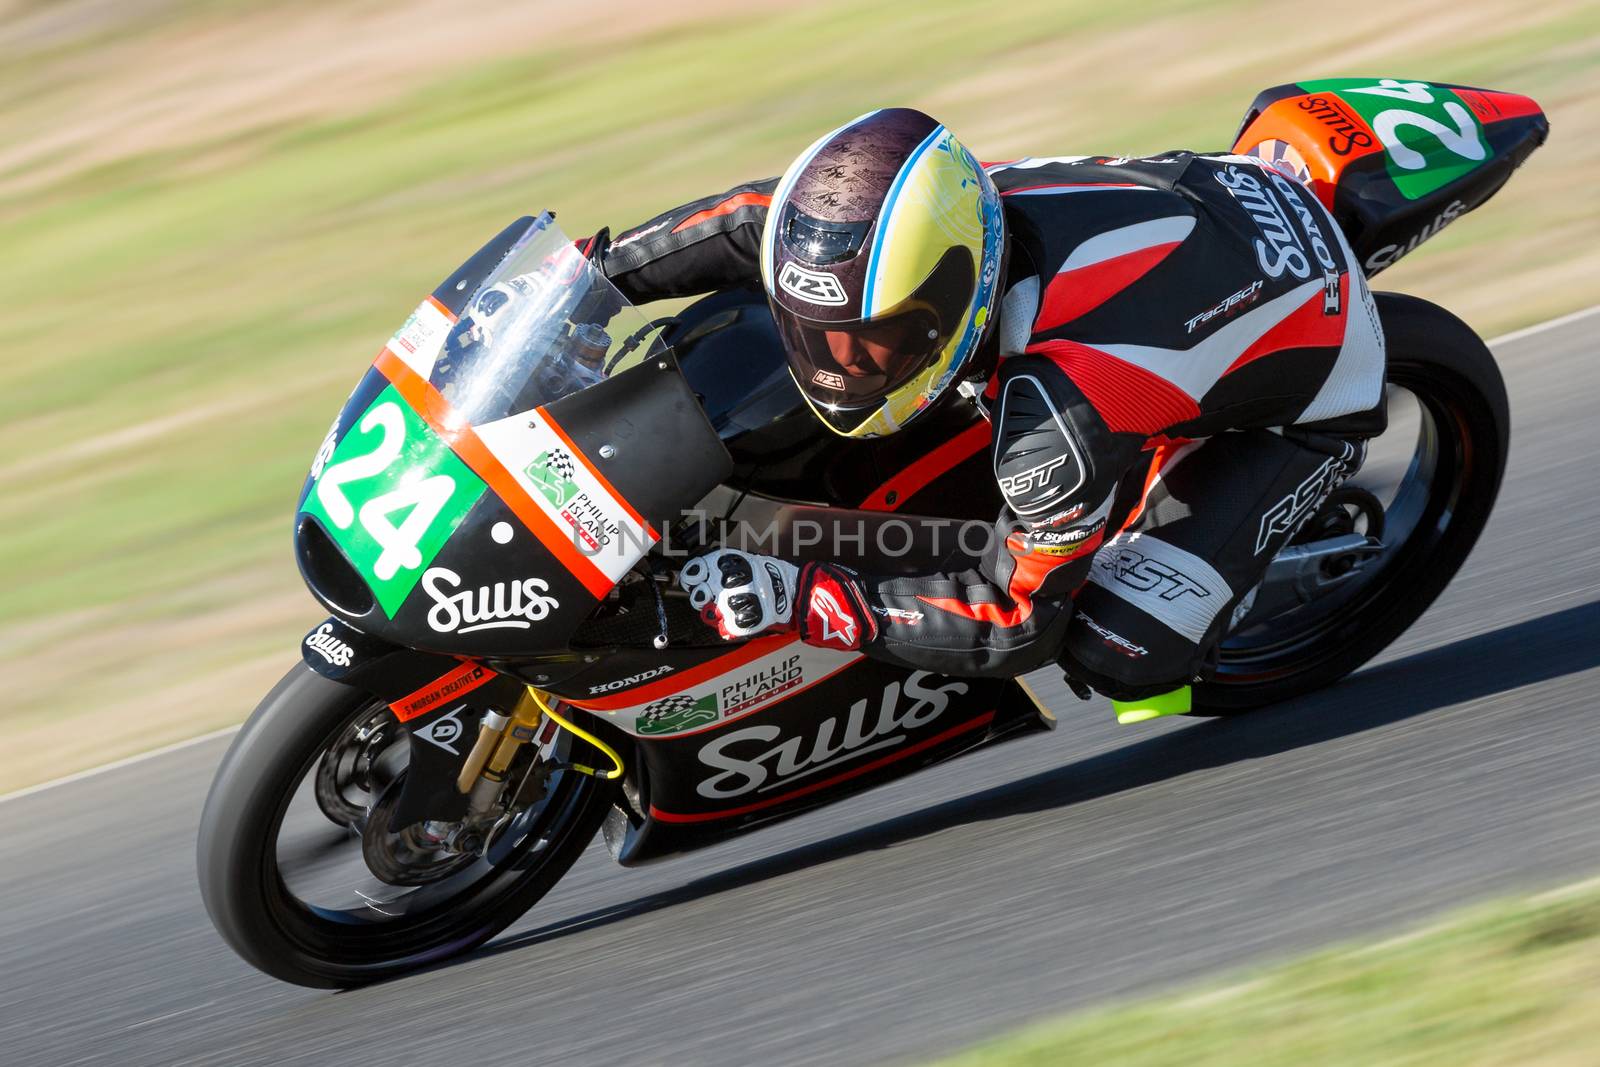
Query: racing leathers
{"points": [[1189, 363]]}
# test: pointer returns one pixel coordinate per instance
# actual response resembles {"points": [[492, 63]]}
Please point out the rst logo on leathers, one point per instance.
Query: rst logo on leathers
{"points": [[1136, 571], [1037, 464], [755, 760], [1287, 514], [810, 285], [1031, 479]]}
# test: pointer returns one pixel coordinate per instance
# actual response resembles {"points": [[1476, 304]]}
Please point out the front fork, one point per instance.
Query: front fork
{"points": [[482, 778], [483, 772]]}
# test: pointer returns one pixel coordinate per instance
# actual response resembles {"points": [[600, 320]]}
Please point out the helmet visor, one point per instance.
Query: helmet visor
{"points": [[848, 369], [859, 363]]}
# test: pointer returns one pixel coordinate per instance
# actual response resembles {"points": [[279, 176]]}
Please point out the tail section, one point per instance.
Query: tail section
{"points": [[1395, 161]]}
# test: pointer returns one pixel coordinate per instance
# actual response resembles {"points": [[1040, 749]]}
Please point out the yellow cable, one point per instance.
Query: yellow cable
{"points": [[611, 754]]}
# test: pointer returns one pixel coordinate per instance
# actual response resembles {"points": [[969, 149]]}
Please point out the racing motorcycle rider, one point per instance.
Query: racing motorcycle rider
{"points": [[1177, 354]]}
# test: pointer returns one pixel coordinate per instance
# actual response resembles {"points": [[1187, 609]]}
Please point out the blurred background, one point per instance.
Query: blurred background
{"points": [[213, 213]]}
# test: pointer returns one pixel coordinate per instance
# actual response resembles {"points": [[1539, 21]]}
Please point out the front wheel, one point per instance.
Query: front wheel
{"points": [[297, 895], [1435, 473]]}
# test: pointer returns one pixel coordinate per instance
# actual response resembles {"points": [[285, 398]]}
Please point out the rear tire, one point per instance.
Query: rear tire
{"points": [[253, 908], [1453, 375]]}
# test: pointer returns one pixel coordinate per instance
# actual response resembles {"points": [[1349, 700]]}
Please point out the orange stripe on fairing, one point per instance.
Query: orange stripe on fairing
{"points": [[726, 207], [436, 411], [673, 683], [921, 474], [446, 312], [601, 478], [855, 772]]}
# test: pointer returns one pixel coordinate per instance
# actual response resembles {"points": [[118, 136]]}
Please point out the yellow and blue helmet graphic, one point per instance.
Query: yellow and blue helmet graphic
{"points": [[881, 260]]}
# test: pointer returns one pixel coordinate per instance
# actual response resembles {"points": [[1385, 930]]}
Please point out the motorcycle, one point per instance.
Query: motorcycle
{"points": [[508, 669]]}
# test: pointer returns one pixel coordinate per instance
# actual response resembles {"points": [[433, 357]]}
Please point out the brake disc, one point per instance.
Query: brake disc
{"points": [[352, 772], [414, 854]]}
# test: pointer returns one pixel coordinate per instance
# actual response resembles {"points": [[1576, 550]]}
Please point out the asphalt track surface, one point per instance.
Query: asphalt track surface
{"points": [[1091, 864]]}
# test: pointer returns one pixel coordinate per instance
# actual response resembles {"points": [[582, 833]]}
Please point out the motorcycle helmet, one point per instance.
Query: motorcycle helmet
{"points": [[881, 258]]}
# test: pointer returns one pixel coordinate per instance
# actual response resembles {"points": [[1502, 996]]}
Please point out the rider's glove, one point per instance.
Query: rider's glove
{"points": [[744, 594]]}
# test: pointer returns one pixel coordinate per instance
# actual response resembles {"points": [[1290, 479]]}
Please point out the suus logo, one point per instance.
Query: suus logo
{"points": [[745, 759], [329, 647], [517, 604]]}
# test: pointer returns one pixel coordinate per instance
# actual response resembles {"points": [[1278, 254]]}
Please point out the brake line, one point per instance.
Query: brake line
{"points": [[610, 753]]}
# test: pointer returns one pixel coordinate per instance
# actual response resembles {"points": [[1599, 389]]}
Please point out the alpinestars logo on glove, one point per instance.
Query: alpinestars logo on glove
{"points": [[838, 626]]}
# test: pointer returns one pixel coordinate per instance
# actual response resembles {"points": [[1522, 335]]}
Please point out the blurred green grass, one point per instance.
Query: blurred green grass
{"points": [[1512, 983], [184, 319]]}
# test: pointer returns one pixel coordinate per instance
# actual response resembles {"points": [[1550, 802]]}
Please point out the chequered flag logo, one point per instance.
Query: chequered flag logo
{"points": [[561, 463], [676, 713]]}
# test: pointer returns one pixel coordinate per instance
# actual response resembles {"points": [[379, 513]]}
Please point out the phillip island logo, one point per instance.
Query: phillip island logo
{"points": [[811, 285], [675, 714], [551, 473]]}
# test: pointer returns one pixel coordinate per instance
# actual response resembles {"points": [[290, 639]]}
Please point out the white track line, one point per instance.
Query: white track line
{"points": [[1541, 327], [1514, 335], [118, 764]]}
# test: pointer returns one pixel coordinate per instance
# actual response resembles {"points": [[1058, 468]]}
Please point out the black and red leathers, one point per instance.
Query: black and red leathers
{"points": [[1187, 363]]}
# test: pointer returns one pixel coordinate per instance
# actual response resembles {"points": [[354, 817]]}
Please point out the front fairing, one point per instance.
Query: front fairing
{"points": [[450, 508]]}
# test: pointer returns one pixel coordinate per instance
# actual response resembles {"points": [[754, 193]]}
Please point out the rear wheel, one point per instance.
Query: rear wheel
{"points": [[338, 905], [1435, 473]]}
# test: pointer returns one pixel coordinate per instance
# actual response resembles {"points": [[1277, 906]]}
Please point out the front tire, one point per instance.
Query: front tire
{"points": [[1463, 442], [273, 929]]}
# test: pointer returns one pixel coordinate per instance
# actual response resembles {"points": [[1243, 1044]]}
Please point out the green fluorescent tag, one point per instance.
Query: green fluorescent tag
{"points": [[1430, 137], [391, 495]]}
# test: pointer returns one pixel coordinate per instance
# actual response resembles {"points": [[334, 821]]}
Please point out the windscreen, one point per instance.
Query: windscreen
{"points": [[464, 512], [543, 324]]}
